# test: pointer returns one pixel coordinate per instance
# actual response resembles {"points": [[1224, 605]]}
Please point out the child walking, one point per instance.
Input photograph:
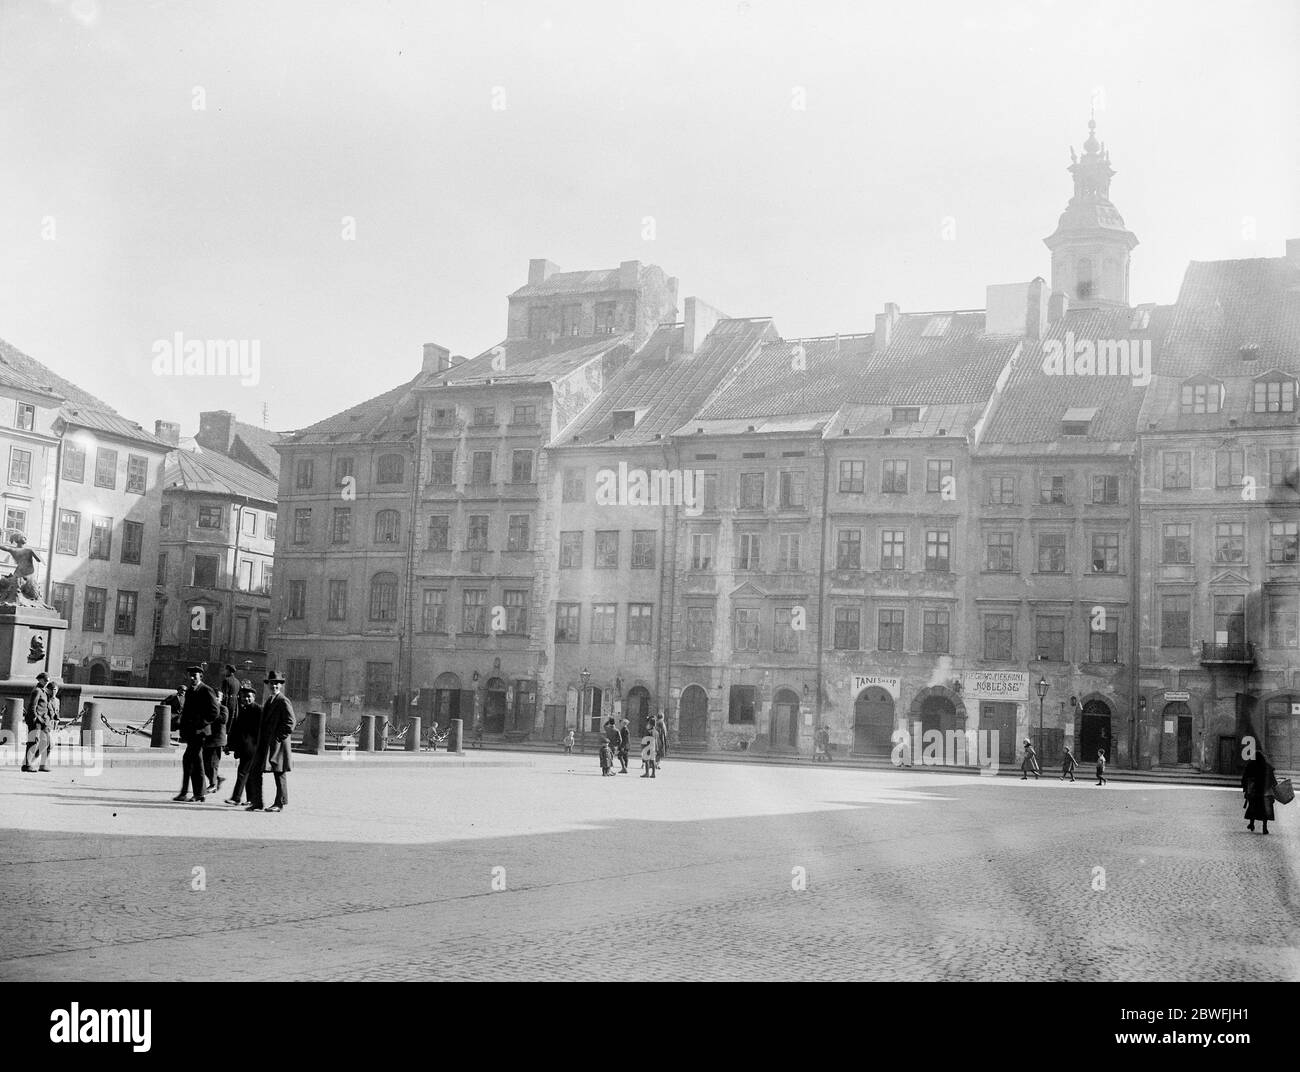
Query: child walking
{"points": [[1101, 767], [648, 754], [568, 743], [1067, 765], [606, 760]]}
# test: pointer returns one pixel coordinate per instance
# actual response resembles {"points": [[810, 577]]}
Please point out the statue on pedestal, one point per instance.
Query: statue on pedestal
{"points": [[20, 586]]}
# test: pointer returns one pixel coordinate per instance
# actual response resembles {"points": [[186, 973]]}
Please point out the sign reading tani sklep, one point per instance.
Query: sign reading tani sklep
{"points": [[1010, 685], [867, 681]]}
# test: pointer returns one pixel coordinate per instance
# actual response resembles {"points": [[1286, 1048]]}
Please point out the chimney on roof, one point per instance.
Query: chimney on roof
{"points": [[885, 325], [539, 271], [168, 431], [216, 430], [629, 275], [1057, 306], [436, 358], [700, 318], [1016, 309], [1293, 251]]}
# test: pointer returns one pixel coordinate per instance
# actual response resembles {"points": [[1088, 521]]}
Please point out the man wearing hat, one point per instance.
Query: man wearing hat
{"points": [[273, 748], [242, 740], [202, 706], [38, 714]]}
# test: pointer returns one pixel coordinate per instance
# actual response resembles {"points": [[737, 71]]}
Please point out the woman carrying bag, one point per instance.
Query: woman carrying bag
{"points": [[1258, 781]]}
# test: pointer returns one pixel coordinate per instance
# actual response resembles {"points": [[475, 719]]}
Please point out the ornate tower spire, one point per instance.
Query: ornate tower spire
{"points": [[1090, 246]]}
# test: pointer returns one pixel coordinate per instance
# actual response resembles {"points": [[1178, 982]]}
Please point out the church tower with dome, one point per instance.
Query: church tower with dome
{"points": [[1091, 246]]}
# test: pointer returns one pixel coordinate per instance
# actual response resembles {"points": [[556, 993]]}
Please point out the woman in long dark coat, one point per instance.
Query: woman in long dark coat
{"points": [[1257, 781]]}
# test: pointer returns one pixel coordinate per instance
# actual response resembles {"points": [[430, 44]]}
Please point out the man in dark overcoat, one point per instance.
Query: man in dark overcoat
{"points": [[273, 748], [202, 706], [242, 738]]}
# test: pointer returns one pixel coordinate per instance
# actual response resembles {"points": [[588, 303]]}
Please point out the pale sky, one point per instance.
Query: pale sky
{"points": [[127, 214]]}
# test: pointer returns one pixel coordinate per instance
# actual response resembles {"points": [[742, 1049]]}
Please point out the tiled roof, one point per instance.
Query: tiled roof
{"points": [[214, 473], [386, 417], [110, 424], [813, 422], [259, 443], [870, 421], [1225, 305], [29, 373], [1222, 307], [669, 392], [1031, 408], [773, 383], [528, 360], [920, 366], [571, 283]]}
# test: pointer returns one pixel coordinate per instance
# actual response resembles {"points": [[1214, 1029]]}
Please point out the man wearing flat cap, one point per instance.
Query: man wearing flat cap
{"points": [[202, 706], [273, 748]]}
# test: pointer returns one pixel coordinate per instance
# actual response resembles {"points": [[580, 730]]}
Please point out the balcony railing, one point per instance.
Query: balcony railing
{"points": [[1240, 653]]}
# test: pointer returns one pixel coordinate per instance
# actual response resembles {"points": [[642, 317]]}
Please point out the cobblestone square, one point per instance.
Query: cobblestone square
{"points": [[544, 870]]}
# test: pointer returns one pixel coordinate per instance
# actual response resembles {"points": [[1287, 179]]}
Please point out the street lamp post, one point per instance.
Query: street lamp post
{"points": [[583, 709], [1042, 686]]}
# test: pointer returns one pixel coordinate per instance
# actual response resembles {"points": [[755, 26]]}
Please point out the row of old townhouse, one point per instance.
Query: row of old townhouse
{"points": [[938, 524], [156, 554]]}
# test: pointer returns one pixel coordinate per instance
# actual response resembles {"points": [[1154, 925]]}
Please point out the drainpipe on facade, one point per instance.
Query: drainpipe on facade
{"points": [[54, 528], [1135, 709], [821, 582], [234, 578], [667, 589], [410, 558]]}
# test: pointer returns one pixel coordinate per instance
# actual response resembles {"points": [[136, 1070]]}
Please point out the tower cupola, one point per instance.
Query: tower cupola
{"points": [[1091, 246]]}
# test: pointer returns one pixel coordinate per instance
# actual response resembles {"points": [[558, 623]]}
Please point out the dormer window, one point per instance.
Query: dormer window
{"points": [[1141, 319], [935, 327], [1077, 422], [1250, 352], [1201, 396], [624, 420], [906, 415], [1274, 393]]}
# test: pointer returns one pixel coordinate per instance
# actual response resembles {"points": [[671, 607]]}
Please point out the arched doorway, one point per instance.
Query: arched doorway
{"points": [[638, 712], [446, 699], [1180, 714], [1282, 732], [98, 675], [938, 713], [1094, 732], [693, 714], [494, 706], [873, 722], [784, 729]]}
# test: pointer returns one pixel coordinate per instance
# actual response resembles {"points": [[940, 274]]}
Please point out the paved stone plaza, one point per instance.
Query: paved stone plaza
{"points": [[386, 870]]}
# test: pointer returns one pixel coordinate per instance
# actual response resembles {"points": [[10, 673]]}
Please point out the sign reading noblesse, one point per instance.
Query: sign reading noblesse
{"points": [[996, 685], [1177, 697], [867, 681]]}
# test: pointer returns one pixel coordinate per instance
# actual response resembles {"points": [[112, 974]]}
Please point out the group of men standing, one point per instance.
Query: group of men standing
{"points": [[231, 721]]}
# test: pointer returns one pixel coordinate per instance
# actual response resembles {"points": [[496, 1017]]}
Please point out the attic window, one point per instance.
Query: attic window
{"points": [[624, 420], [935, 327], [1204, 396], [1250, 353], [1077, 422], [1274, 393], [906, 414], [1141, 319]]}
